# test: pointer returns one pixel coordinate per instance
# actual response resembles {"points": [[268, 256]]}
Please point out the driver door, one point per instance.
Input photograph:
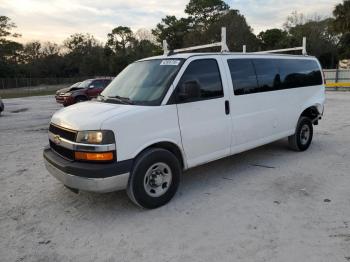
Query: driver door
{"points": [[205, 122], [95, 88]]}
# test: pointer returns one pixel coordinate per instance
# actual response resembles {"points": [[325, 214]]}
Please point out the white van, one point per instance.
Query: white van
{"points": [[166, 114]]}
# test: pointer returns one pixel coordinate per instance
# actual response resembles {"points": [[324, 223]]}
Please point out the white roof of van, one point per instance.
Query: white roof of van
{"points": [[188, 55]]}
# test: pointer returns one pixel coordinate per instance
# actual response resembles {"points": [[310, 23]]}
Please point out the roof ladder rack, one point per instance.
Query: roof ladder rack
{"points": [[302, 48], [222, 44], [224, 47]]}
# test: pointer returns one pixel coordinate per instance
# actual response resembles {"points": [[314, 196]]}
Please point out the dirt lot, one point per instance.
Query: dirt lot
{"points": [[268, 204]]}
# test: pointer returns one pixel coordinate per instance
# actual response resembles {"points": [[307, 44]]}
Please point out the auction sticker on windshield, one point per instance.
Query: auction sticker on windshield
{"points": [[170, 62]]}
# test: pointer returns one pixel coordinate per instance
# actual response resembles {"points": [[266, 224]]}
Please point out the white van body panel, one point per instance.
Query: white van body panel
{"points": [[201, 130], [205, 128], [261, 118], [88, 115], [143, 126]]}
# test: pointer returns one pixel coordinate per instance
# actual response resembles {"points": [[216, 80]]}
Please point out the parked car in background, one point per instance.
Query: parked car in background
{"points": [[2, 107], [82, 91]]}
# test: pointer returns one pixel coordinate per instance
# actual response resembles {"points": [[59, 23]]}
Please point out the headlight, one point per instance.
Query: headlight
{"points": [[66, 94], [103, 137]]}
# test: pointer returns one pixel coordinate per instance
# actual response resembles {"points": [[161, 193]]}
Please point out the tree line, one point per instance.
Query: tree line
{"points": [[83, 55]]}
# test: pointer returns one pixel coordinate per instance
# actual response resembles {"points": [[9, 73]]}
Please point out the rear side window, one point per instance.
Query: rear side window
{"points": [[299, 73], [267, 74], [243, 76], [206, 73], [262, 75]]}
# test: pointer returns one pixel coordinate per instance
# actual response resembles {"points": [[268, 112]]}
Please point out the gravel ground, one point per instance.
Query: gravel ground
{"points": [[268, 204]]}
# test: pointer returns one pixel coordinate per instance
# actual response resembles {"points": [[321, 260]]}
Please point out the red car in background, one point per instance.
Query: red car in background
{"points": [[82, 91]]}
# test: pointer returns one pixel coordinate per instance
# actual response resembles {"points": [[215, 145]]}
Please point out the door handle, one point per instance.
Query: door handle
{"points": [[227, 107]]}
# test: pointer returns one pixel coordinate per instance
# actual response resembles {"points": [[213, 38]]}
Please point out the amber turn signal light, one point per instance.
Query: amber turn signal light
{"points": [[86, 156]]}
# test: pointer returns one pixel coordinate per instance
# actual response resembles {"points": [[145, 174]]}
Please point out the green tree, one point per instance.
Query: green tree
{"points": [[31, 52], [205, 12], [85, 56], [6, 27], [119, 39], [238, 31], [80, 44], [342, 17], [274, 39], [9, 50], [341, 25], [173, 30], [50, 49], [322, 41]]}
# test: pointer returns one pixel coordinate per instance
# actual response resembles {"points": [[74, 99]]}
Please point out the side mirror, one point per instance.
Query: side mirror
{"points": [[189, 90], [91, 86]]}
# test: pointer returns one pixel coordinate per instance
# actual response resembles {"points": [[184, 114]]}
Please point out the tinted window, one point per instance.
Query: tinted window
{"points": [[98, 84], [206, 73], [243, 76], [267, 74], [299, 73], [261, 75], [106, 82]]}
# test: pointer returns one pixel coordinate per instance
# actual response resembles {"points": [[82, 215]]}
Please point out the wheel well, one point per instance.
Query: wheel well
{"points": [[80, 96], [311, 112], [173, 148]]}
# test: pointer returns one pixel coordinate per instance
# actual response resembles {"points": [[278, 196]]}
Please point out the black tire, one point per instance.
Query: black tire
{"points": [[137, 186], [302, 138], [79, 99]]}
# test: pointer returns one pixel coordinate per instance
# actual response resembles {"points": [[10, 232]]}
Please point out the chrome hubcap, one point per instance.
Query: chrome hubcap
{"points": [[157, 179], [305, 134]]}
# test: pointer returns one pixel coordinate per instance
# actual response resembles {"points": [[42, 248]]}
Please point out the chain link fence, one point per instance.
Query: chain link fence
{"points": [[337, 77], [21, 87], [7, 83]]}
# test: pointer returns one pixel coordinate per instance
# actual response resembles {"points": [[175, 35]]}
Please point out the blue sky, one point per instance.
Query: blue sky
{"points": [[55, 20]]}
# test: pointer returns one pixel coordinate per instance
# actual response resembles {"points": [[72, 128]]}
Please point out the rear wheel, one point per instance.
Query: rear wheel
{"points": [[302, 138], [154, 179]]}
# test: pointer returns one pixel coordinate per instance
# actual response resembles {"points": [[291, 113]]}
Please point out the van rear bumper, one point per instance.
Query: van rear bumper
{"points": [[86, 176]]}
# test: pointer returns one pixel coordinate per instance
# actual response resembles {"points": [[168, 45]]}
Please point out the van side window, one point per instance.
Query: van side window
{"points": [[267, 74], [206, 73], [261, 75], [243, 76], [299, 73]]}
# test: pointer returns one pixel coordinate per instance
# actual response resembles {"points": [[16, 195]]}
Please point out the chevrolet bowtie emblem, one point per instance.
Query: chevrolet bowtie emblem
{"points": [[57, 139]]}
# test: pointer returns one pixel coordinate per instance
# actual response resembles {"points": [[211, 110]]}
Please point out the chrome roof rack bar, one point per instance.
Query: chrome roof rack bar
{"points": [[302, 48], [222, 44]]}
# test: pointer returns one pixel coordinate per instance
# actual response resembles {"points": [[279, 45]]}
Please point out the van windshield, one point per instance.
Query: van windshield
{"points": [[142, 83]]}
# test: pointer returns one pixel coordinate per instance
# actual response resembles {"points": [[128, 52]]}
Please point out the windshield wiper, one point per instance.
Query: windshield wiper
{"points": [[124, 100]]}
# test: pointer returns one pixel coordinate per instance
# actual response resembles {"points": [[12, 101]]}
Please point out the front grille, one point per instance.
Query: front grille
{"points": [[64, 152], [62, 132], [66, 134]]}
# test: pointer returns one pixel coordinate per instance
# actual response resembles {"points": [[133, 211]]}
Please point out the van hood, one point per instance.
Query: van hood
{"points": [[88, 115]]}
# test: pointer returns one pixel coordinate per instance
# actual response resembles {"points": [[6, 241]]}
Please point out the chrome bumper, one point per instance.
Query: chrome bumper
{"points": [[100, 185]]}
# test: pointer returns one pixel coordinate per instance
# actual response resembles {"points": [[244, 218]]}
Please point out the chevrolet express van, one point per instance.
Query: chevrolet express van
{"points": [[166, 114]]}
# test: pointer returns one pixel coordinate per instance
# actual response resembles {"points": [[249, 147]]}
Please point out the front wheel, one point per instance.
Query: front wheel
{"points": [[302, 138], [154, 179], [80, 99]]}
